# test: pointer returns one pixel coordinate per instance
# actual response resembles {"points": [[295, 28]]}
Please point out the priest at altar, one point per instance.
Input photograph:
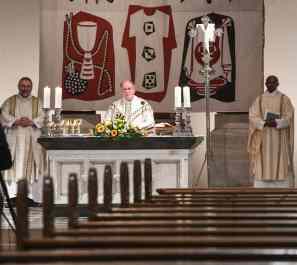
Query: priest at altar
{"points": [[22, 117], [136, 110]]}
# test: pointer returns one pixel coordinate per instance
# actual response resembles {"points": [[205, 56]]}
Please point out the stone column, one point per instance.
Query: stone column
{"points": [[229, 166]]}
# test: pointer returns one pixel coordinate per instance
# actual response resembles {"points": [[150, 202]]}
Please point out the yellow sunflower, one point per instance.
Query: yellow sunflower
{"points": [[114, 133], [100, 128]]}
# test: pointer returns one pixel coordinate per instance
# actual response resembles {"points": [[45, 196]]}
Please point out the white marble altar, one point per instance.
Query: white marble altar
{"points": [[171, 165]]}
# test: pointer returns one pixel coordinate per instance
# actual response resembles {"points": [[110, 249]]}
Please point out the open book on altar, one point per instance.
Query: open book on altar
{"points": [[164, 128], [271, 116]]}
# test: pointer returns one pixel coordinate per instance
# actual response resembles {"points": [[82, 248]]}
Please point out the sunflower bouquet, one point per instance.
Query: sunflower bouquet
{"points": [[118, 128]]}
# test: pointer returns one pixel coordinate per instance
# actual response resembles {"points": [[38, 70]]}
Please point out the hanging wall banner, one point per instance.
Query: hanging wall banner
{"points": [[88, 65], [222, 53], [149, 38], [89, 47]]}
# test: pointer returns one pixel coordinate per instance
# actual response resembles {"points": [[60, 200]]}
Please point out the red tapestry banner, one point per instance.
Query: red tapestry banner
{"points": [[88, 65]]}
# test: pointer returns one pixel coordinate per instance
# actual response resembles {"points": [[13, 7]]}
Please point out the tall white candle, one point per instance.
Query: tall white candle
{"points": [[58, 97], [177, 97], [187, 97], [46, 97]]}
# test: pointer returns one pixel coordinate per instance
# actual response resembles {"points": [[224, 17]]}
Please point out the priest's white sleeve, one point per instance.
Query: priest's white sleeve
{"points": [[148, 118], [282, 123], [258, 123], [288, 115]]}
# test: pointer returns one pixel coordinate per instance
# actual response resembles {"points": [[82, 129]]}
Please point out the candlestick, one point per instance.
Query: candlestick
{"points": [[58, 97], [188, 127], [46, 97], [59, 123], [187, 97], [177, 97], [178, 122], [46, 125]]}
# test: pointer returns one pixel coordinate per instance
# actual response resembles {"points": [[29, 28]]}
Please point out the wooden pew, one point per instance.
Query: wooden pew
{"points": [[196, 216], [140, 255], [155, 226], [230, 197], [207, 256], [218, 209], [194, 191], [131, 241], [150, 207], [73, 202], [179, 210], [167, 243]]}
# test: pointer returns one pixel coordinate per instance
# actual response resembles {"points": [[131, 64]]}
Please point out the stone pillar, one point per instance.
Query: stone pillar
{"points": [[229, 166]]}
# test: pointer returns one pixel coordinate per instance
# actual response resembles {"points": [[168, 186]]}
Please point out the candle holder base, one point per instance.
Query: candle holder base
{"points": [[178, 122], [183, 122], [59, 123], [188, 128], [46, 129]]}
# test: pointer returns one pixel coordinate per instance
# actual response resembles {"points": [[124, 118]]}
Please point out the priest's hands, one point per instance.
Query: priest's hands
{"points": [[24, 122], [271, 123]]}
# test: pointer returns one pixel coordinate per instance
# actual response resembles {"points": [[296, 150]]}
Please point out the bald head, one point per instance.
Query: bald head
{"points": [[271, 83], [128, 89]]}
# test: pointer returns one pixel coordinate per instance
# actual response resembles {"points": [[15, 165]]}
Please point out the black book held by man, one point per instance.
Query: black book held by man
{"points": [[271, 116]]}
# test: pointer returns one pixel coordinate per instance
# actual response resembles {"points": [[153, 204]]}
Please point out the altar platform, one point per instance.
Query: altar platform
{"points": [[171, 157]]}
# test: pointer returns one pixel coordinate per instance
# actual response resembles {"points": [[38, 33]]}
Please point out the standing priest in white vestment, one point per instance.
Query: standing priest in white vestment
{"points": [[22, 116], [137, 111], [271, 137]]}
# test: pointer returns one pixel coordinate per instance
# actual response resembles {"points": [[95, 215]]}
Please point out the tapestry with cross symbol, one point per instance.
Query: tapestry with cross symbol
{"points": [[222, 59]]}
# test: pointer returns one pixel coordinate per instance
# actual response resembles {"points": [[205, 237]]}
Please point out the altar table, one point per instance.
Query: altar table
{"points": [[171, 161]]}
